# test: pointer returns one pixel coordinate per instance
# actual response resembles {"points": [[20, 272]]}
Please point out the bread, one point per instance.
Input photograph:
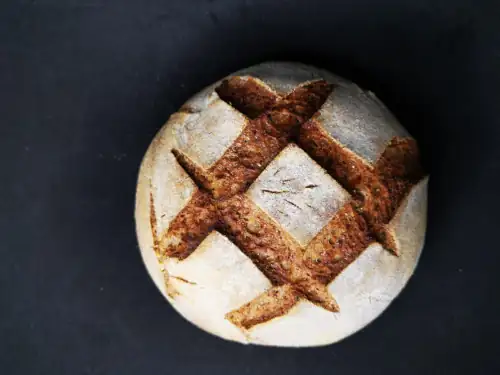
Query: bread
{"points": [[282, 206]]}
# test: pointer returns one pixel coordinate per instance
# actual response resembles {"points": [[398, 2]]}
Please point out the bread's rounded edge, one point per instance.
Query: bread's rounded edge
{"points": [[143, 212], [195, 103]]}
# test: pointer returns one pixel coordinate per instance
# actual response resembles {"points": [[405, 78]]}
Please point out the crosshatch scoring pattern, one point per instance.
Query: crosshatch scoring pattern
{"points": [[352, 201]]}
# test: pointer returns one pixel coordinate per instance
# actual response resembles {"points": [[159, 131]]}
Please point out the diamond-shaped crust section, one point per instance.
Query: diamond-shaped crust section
{"points": [[205, 136], [359, 122], [219, 277], [298, 194]]}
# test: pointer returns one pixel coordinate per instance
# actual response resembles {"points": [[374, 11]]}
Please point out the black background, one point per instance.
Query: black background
{"points": [[86, 84]]}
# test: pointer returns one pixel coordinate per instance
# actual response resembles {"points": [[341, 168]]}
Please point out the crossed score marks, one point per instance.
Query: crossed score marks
{"points": [[299, 247]]}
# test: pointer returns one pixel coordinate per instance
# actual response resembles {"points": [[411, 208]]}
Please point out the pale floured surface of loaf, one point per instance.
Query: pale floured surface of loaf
{"points": [[298, 194], [406, 225], [200, 101], [253, 213], [205, 135], [216, 278], [356, 120], [172, 186], [161, 177]]}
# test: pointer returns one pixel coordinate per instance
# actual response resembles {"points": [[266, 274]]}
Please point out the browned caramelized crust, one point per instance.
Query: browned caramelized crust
{"points": [[221, 203], [190, 226], [399, 168], [242, 163], [247, 95], [338, 244], [275, 302], [271, 249]]}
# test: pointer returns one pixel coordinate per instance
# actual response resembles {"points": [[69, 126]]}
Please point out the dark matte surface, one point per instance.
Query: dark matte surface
{"points": [[86, 84]]}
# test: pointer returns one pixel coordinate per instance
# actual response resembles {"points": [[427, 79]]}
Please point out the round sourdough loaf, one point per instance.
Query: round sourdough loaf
{"points": [[282, 205]]}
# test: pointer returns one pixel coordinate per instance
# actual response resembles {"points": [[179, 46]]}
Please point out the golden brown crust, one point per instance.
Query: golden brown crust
{"points": [[190, 227], [246, 158], [307, 99], [338, 244], [272, 250], [399, 169], [248, 95], [275, 302]]}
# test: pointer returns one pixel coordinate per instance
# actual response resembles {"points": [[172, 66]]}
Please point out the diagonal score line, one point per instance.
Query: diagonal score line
{"points": [[337, 244], [249, 96], [190, 227], [274, 302]]}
